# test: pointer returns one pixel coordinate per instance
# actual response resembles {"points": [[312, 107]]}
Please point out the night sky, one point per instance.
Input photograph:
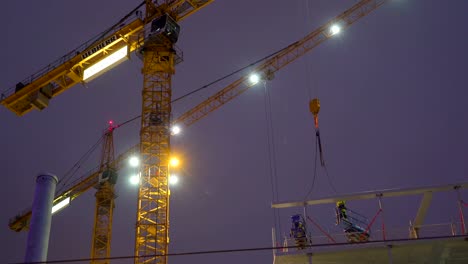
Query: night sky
{"points": [[393, 95]]}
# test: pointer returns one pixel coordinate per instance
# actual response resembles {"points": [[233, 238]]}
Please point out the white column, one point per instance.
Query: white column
{"points": [[39, 227]]}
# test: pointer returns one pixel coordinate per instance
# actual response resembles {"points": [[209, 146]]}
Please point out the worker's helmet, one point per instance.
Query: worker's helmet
{"points": [[340, 203]]}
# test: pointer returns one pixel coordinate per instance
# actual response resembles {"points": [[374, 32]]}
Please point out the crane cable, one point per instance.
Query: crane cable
{"points": [[314, 107], [312, 88], [315, 172], [272, 157], [85, 156], [74, 169], [219, 79]]}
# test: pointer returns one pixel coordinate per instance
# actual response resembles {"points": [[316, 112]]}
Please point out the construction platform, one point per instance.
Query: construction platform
{"points": [[419, 242], [446, 250]]}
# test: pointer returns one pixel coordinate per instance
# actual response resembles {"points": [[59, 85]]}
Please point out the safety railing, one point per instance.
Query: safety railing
{"points": [[390, 233]]}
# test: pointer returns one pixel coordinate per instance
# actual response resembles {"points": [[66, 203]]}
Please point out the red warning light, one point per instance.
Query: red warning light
{"points": [[111, 122]]}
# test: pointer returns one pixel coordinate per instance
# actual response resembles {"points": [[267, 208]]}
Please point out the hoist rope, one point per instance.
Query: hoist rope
{"points": [[330, 182], [74, 169], [218, 80], [272, 157], [312, 90], [315, 171]]}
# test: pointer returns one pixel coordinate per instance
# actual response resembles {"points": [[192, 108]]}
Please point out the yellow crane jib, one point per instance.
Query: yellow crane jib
{"points": [[87, 62]]}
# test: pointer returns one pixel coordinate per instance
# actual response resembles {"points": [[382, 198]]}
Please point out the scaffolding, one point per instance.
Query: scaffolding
{"points": [[361, 240]]}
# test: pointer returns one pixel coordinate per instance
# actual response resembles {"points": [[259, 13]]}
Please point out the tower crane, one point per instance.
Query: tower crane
{"points": [[105, 195], [159, 57]]}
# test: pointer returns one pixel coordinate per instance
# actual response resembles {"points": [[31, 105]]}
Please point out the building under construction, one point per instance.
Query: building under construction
{"points": [[369, 240]]}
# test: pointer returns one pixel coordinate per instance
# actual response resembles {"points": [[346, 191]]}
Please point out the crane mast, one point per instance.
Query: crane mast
{"points": [[105, 195], [151, 237]]}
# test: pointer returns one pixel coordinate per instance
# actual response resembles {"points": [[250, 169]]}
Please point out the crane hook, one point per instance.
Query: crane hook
{"points": [[314, 106]]}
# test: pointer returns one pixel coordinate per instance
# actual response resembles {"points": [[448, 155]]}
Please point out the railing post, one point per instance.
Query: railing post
{"points": [[412, 231], [273, 240], [285, 244], [453, 228], [390, 255], [383, 218], [460, 208]]}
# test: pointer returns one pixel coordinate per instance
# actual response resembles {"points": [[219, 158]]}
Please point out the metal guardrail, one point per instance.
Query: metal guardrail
{"points": [[392, 233]]}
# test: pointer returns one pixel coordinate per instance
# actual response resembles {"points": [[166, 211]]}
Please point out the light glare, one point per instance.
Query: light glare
{"points": [[103, 64], [61, 205], [174, 162], [134, 161], [175, 130], [173, 179], [335, 29], [254, 79], [134, 179]]}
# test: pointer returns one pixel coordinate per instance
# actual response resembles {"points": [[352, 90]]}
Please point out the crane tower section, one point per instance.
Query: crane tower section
{"points": [[151, 238], [105, 195]]}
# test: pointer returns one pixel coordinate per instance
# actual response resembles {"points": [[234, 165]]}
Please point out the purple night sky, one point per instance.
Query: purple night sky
{"points": [[393, 94]]}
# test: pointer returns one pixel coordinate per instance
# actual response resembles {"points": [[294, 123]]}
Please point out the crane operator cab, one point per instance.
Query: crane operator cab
{"points": [[299, 232], [352, 223], [163, 29]]}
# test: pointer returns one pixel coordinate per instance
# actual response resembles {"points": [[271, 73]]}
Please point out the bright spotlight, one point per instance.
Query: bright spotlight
{"points": [[134, 161], [60, 205], [175, 130], [134, 179], [174, 162], [335, 29], [173, 179], [108, 62], [254, 79]]}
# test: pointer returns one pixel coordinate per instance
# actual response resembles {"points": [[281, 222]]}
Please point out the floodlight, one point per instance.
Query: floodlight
{"points": [[134, 161], [335, 29], [254, 79], [111, 60], [173, 179], [174, 162], [134, 179], [175, 130], [61, 205]]}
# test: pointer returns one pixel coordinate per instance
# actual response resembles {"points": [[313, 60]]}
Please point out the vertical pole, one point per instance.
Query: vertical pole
{"points": [[413, 231], [383, 218], [460, 208], [452, 227], [273, 241], [308, 238], [390, 256], [41, 217]]}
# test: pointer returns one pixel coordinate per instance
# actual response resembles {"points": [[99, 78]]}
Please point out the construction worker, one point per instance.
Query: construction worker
{"points": [[299, 231], [341, 211]]}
